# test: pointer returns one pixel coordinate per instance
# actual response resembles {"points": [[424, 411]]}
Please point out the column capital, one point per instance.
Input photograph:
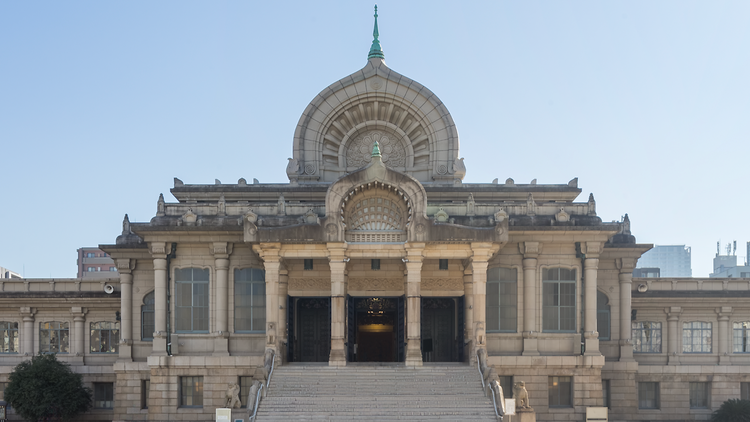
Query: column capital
{"points": [[220, 250], [530, 249], [268, 251], [591, 249], [27, 312], [125, 265], [158, 249], [483, 251], [673, 312], [724, 312], [591, 263], [625, 265], [78, 312], [414, 252], [337, 252]]}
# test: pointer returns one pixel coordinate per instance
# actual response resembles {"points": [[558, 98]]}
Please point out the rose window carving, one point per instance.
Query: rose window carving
{"points": [[376, 216], [359, 150]]}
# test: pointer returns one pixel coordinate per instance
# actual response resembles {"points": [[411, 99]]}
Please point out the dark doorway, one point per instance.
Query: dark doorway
{"points": [[375, 329], [440, 342], [310, 329]]}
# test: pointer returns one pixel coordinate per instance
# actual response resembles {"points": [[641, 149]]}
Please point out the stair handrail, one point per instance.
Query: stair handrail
{"points": [[273, 364], [481, 376], [494, 404], [257, 402]]}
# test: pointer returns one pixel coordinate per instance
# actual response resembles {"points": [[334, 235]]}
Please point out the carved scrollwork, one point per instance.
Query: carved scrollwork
{"points": [[376, 284], [442, 284], [309, 284]]}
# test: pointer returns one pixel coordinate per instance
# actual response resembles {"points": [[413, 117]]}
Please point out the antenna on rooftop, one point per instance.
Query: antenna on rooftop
{"points": [[729, 249], [734, 252], [717, 247]]}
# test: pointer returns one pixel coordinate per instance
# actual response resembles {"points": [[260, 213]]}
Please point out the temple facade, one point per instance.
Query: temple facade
{"points": [[376, 251]]}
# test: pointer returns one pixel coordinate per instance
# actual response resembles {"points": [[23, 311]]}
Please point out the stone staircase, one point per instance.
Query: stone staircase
{"points": [[309, 392]]}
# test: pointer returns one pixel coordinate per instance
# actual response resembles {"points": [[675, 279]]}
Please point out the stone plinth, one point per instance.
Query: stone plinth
{"points": [[525, 415]]}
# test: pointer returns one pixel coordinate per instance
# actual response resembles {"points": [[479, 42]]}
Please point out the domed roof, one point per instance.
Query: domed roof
{"points": [[415, 131]]}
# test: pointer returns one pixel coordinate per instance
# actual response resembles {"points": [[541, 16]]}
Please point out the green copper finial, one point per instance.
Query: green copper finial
{"points": [[376, 149], [376, 51]]}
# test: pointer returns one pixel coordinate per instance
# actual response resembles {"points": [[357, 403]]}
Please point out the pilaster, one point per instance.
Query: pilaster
{"points": [[28, 330], [337, 260], [469, 344], [413, 261], [481, 254], [159, 255], [221, 252], [723, 314], [270, 254], [530, 252], [79, 333], [625, 267], [125, 267], [591, 269], [673, 315]]}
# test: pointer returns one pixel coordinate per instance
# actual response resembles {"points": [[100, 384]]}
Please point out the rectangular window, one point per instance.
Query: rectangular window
{"points": [[559, 300], [308, 264], [145, 391], [443, 264], [8, 337], [648, 395], [374, 264], [104, 395], [191, 391], [54, 337], [606, 394], [105, 337], [249, 300], [646, 337], [501, 300], [191, 300], [699, 395], [741, 336], [560, 391], [745, 390], [696, 337]]}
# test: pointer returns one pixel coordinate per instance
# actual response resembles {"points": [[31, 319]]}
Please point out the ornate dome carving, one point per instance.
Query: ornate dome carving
{"points": [[376, 214]]}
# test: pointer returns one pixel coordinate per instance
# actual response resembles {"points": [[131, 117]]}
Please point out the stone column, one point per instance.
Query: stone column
{"points": [[270, 254], [282, 329], [221, 252], [673, 314], [481, 253], [337, 261], [591, 268], [159, 255], [469, 314], [125, 267], [530, 252], [414, 257], [625, 267], [27, 344], [78, 343], [724, 334]]}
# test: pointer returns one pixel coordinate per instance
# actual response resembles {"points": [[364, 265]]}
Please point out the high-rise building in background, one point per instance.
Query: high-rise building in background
{"points": [[95, 263], [6, 273], [726, 265], [671, 260]]}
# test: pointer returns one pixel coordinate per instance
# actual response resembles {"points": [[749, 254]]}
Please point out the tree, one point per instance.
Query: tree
{"points": [[45, 389], [732, 410]]}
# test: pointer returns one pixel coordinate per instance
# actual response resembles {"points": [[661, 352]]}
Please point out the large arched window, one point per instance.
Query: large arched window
{"points": [[559, 300], [147, 318], [603, 317], [249, 300], [502, 298]]}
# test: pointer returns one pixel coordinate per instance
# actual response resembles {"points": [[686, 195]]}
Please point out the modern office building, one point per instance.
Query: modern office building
{"points": [[672, 260], [725, 266], [94, 263]]}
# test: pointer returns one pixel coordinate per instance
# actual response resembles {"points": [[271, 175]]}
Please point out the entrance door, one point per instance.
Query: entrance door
{"points": [[313, 333], [439, 341], [374, 330]]}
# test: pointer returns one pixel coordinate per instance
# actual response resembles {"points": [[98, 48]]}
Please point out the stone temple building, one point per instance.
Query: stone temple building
{"points": [[375, 251]]}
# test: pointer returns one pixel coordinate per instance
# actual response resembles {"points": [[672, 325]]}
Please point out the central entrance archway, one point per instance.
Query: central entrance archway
{"points": [[375, 329]]}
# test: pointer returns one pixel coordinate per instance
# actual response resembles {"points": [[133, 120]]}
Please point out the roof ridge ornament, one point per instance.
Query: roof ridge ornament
{"points": [[376, 52], [376, 149]]}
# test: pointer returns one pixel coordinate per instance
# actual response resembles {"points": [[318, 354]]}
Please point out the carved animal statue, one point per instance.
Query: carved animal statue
{"points": [[233, 397], [252, 395], [521, 395]]}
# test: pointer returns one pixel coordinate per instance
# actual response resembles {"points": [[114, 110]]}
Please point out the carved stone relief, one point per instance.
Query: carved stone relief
{"points": [[442, 284], [309, 284], [359, 151], [376, 284]]}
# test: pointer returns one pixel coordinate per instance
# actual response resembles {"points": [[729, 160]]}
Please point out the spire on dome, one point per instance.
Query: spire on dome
{"points": [[376, 52]]}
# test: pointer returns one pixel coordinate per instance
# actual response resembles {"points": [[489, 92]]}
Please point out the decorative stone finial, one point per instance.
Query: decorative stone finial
{"points": [[376, 149], [160, 206], [125, 225], [376, 52]]}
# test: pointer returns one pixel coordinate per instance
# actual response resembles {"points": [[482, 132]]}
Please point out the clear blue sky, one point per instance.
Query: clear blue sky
{"points": [[103, 103]]}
